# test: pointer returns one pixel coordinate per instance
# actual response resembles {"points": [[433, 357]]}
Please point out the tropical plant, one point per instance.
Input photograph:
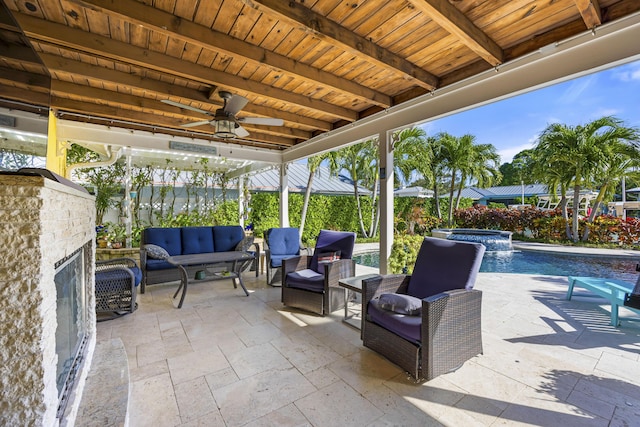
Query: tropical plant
{"points": [[313, 164], [578, 153], [360, 162]]}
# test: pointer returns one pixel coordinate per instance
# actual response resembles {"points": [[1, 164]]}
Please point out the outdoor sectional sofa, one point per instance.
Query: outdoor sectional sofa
{"points": [[183, 241]]}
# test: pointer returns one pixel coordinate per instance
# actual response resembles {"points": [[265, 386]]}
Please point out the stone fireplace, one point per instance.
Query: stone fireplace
{"points": [[46, 227]]}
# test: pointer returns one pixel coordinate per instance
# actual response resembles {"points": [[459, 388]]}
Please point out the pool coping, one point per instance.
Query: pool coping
{"points": [[361, 248], [592, 252]]}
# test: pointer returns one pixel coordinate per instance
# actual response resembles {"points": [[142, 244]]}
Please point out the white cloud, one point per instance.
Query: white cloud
{"points": [[577, 88], [628, 73], [606, 112], [506, 154]]}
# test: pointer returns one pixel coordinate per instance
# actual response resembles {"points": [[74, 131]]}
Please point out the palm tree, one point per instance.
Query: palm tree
{"points": [[581, 151], [622, 162], [482, 167], [409, 154], [313, 164], [360, 161]]}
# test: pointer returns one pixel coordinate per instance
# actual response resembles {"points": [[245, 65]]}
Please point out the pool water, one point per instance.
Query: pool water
{"points": [[546, 263]]}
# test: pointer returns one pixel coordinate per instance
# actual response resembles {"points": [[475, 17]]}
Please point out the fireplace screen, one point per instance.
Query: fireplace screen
{"points": [[72, 320]]}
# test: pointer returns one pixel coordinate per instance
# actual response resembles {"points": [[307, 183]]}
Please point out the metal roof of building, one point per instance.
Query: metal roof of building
{"points": [[323, 182], [504, 192]]}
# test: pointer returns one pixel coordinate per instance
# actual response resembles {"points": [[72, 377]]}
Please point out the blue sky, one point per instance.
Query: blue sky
{"points": [[514, 124]]}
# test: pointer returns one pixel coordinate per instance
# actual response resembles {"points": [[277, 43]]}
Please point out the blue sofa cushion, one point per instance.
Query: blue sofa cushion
{"points": [[168, 238], [401, 304], [197, 240], [408, 327], [333, 241], [283, 241], [158, 264], [306, 279], [227, 237], [443, 265]]}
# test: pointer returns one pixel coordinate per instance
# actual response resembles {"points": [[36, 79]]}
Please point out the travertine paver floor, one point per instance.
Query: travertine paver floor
{"points": [[229, 360]]}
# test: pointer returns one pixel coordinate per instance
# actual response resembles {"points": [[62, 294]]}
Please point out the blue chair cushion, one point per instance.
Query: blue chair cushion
{"points": [[227, 237], [283, 241], [168, 238], [333, 241], [401, 304], [137, 273], [408, 327], [197, 240], [443, 265], [306, 279], [276, 260], [118, 276]]}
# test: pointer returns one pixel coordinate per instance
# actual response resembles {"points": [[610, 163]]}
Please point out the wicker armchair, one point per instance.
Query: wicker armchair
{"points": [[281, 243], [116, 283], [311, 282], [447, 331]]}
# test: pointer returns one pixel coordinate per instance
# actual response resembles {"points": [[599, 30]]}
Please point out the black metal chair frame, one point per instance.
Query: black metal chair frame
{"points": [[115, 296]]}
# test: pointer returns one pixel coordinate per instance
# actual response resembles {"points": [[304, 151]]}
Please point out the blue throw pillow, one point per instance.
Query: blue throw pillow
{"points": [[401, 304], [156, 252]]}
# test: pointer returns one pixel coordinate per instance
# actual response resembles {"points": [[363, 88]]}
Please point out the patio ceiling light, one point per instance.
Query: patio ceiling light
{"points": [[225, 128]]}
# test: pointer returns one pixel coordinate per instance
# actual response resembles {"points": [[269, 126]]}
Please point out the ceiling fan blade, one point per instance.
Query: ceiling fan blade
{"points": [[194, 124], [186, 107], [235, 104], [241, 132], [261, 121]]}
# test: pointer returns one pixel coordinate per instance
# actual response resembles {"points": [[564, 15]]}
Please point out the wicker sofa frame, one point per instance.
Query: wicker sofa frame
{"points": [[450, 330], [172, 273]]}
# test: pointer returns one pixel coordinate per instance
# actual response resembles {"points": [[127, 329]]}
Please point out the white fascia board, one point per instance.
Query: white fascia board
{"points": [[98, 134], [607, 46]]}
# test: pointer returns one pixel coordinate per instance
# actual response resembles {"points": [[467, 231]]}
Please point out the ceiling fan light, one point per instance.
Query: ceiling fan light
{"points": [[224, 129]]}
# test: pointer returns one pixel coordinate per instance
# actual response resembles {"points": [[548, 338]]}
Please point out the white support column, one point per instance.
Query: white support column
{"points": [[284, 195], [128, 220], [241, 204], [386, 199]]}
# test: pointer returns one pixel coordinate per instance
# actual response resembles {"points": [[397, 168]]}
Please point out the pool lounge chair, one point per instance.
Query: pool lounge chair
{"points": [[617, 292]]}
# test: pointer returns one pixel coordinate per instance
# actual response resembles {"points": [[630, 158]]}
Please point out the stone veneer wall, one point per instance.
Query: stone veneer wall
{"points": [[41, 222]]}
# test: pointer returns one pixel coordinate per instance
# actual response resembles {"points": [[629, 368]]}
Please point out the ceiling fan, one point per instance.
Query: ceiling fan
{"points": [[224, 120]]}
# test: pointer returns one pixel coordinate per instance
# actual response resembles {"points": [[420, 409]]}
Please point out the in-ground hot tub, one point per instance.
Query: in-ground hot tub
{"points": [[494, 240]]}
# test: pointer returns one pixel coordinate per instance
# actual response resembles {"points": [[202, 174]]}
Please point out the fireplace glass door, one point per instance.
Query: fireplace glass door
{"points": [[72, 318]]}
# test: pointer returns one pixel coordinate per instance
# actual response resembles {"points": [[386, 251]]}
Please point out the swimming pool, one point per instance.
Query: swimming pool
{"points": [[546, 263]]}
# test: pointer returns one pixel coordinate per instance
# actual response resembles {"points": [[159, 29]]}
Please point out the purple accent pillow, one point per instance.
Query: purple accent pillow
{"points": [[401, 304]]}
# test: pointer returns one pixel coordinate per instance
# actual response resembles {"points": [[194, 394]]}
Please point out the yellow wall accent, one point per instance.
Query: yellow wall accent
{"points": [[56, 151]]}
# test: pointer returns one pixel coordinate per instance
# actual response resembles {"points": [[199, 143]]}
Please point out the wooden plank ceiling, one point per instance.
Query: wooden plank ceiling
{"points": [[316, 64]]}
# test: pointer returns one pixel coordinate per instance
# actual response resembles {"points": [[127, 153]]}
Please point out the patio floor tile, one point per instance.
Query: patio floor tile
{"points": [[227, 359]]}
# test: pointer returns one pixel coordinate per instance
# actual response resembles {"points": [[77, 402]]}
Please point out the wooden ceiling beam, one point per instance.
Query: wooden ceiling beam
{"points": [[107, 113], [25, 79], [455, 22], [328, 30], [173, 26], [94, 44], [590, 12], [59, 64], [64, 89], [26, 96]]}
